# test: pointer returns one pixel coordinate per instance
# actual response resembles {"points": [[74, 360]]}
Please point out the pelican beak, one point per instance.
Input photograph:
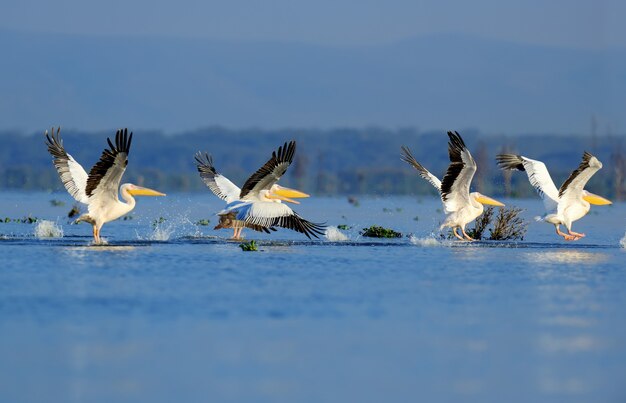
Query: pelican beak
{"points": [[140, 191], [595, 199], [286, 194], [488, 200]]}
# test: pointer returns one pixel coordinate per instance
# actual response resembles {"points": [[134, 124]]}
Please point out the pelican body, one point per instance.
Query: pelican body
{"points": [[226, 190], [460, 206], [98, 189], [565, 205], [259, 204]]}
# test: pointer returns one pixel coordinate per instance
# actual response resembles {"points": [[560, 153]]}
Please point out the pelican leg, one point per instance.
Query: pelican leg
{"points": [[95, 234], [564, 235], [456, 234], [467, 237], [575, 234]]}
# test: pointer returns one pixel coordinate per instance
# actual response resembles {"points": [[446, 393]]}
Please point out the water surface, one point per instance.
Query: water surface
{"points": [[176, 312]]}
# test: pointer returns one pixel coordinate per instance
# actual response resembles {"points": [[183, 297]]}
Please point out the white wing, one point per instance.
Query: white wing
{"points": [[538, 176], [407, 157], [270, 172], [456, 183], [72, 174], [104, 178], [220, 185], [573, 186]]}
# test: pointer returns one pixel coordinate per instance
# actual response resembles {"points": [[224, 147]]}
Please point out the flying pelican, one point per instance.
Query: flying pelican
{"points": [[98, 189], [260, 199], [567, 204], [226, 190], [460, 206]]}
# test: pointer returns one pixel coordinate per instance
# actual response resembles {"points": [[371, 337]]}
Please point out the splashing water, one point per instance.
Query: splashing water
{"points": [[334, 235], [622, 242], [48, 229], [428, 242]]}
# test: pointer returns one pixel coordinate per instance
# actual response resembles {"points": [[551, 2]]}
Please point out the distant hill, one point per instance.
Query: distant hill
{"points": [[433, 82]]}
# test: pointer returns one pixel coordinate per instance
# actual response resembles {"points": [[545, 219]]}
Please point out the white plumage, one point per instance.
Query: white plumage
{"points": [[460, 206], [260, 200], [98, 189], [565, 205]]}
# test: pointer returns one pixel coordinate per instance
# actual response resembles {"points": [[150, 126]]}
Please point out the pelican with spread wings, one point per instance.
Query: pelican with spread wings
{"points": [[259, 203], [460, 206], [567, 204], [99, 189], [226, 190]]}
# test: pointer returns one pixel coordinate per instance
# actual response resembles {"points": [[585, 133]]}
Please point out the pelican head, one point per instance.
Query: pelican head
{"points": [[595, 199], [278, 193], [482, 199], [135, 190]]}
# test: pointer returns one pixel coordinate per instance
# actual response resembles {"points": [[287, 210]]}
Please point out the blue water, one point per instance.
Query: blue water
{"points": [[177, 312]]}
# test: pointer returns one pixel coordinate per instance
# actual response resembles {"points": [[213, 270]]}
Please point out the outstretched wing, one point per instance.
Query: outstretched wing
{"points": [[538, 176], [455, 185], [104, 178], [407, 157], [72, 174], [271, 172], [269, 214], [220, 185], [574, 185]]}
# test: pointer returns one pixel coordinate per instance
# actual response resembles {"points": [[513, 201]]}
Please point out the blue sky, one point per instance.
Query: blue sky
{"points": [[587, 24]]}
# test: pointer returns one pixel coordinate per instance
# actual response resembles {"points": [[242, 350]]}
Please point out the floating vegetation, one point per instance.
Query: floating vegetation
{"points": [[507, 225], [158, 221], [203, 222], [386, 210], [334, 235], [57, 203], [48, 229], [481, 224], [74, 211], [376, 231], [249, 246], [416, 218], [128, 217], [343, 227], [354, 201], [25, 220]]}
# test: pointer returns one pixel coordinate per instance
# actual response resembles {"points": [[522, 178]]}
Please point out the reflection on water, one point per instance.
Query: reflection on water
{"points": [[567, 256]]}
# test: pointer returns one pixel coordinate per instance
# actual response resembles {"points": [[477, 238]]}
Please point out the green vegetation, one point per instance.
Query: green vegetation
{"points": [[158, 221], [343, 227], [203, 222], [249, 246], [508, 225], [57, 203], [376, 231], [25, 220]]}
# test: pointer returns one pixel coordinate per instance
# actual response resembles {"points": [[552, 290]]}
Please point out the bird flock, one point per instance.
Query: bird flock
{"points": [[261, 203]]}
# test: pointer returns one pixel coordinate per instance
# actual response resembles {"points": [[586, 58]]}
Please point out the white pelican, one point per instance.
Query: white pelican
{"points": [[226, 190], [98, 189], [260, 199], [567, 204], [460, 206]]}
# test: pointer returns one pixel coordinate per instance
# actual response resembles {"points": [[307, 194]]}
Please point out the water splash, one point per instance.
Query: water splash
{"points": [[622, 242], [427, 242], [164, 230], [334, 235], [48, 229]]}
